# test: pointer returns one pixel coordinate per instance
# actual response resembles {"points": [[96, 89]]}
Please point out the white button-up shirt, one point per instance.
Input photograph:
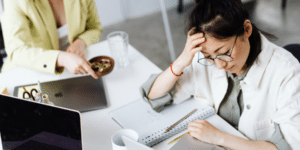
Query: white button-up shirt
{"points": [[271, 93]]}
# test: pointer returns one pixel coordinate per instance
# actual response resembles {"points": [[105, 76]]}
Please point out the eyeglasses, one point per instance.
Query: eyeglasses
{"points": [[207, 61]]}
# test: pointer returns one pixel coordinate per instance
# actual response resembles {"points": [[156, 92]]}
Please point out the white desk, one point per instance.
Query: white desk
{"points": [[121, 86]]}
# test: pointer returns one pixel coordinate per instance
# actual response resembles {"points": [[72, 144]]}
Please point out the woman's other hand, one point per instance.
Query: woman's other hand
{"points": [[204, 131], [77, 47], [192, 46], [75, 64]]}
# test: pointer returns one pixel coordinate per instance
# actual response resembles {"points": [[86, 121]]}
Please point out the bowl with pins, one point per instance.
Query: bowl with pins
{"points": [[102, 65]]}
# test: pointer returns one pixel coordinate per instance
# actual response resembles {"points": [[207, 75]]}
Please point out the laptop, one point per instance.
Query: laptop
{"points": [[30, 125], [190, 143], [134, 145], [82, 93]]}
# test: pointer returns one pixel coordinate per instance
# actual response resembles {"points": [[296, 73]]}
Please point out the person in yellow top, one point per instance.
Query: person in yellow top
{"points": [[50, 35]]}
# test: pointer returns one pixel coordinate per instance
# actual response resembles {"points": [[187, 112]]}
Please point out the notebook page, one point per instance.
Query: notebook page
{"points": [[150, 125], [152, 138]]}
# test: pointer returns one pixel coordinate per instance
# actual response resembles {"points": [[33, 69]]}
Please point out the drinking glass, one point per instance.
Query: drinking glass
{"points": [[118, 43]]}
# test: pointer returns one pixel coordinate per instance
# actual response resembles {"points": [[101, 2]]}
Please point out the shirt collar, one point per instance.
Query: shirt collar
{"points": [[258, 68], [240, 77]]}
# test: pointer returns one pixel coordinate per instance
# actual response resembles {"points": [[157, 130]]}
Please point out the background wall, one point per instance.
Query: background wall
{"points": [[109, 11], [116, 11]]}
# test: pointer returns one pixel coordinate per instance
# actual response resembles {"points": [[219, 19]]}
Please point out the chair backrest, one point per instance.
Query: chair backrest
{"points": [[294, 49]]}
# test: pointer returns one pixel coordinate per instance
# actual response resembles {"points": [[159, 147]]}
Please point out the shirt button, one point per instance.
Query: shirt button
{"points": [[45, 66], [248, 106]]}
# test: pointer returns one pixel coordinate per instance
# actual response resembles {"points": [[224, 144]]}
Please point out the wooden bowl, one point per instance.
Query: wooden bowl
{"points": [[102, 65]]}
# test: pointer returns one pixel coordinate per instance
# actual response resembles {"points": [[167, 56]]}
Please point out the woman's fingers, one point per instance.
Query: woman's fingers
{"points": [[196, 46], [204, 131], [79, 71], [82, 70], [195, 130], [196, 123], [192, 31], [87, 67], [196, 36], [191, 47], [197, 42], [78, 52], [197, 49], [75, 64], [195, 135]]}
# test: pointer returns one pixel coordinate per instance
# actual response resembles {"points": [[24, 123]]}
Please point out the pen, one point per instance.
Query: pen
{"points": [[181, 120], [176, 139], [39, 84]]}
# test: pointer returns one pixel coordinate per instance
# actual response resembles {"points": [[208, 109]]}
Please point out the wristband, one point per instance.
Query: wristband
{"points": [[173, 72]]}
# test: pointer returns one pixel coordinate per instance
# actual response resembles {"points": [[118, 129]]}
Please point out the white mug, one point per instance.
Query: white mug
{"points": [[116, 139]]}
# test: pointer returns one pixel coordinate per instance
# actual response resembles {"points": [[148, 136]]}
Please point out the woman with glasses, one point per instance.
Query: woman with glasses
{"points": [[228, 63]]}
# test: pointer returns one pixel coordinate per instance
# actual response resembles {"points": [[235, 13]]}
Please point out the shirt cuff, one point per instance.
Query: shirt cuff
{"points": [[278, 140], [159, 103]]}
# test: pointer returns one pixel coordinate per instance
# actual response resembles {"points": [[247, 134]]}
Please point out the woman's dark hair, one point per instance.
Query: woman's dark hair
{"points": [[222, 19]]}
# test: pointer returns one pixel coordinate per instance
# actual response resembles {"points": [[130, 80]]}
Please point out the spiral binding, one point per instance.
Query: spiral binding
{"points": [[159, 136]]}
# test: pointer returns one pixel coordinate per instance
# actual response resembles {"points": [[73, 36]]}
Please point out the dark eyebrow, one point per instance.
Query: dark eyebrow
{"points": [[215, 50]]}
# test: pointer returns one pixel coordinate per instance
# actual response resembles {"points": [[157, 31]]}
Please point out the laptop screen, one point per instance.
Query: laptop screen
{"points": [[30, 125]]}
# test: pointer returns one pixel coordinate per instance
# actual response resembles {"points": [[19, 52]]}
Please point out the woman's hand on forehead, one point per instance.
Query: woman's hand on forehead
{"points": [[196, 37], [192, 32], [192, 46]]}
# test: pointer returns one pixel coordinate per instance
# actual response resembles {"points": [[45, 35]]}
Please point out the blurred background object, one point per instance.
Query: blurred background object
{"points": [[147, 33], [2, 50], [294, 49], [3, 91], [143, 21]]}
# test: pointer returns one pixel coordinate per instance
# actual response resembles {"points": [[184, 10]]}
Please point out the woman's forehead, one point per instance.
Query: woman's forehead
{"points": [[211, 44]]}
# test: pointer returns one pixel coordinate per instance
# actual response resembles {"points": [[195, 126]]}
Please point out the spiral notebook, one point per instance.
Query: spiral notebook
{"points": [[151, 125]]}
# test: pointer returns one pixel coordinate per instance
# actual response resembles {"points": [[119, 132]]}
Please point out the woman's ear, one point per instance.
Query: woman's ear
{"points": [[247, 28]]}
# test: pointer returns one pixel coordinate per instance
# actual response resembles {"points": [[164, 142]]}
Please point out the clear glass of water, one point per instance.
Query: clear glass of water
{"points": [[118, 43]]}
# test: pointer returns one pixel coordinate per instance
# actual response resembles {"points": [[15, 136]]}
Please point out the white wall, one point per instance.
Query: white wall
{"points": [[139, 8], [109, 11], [115, 11]]}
